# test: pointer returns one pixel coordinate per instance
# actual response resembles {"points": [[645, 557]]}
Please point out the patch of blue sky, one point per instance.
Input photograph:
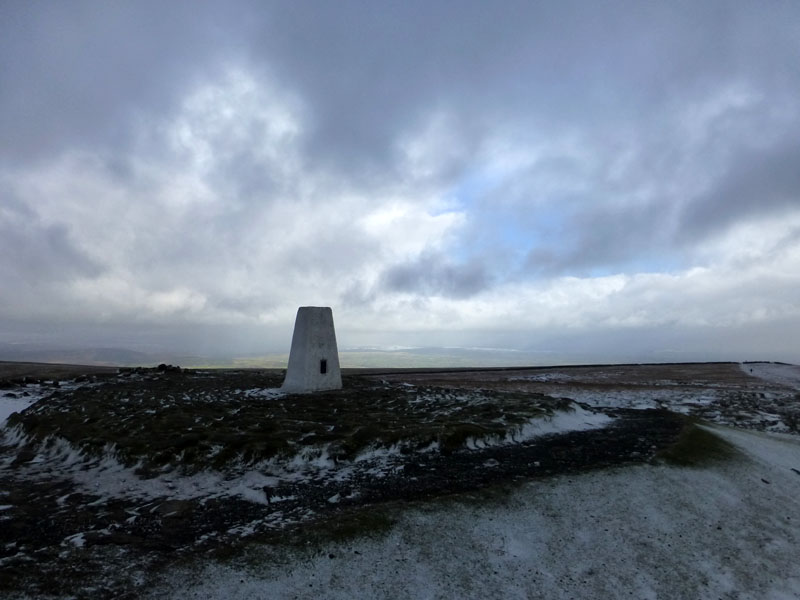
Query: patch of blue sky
{"points": [[522, 230], [479, 195], [504, 241], [473, 188], [515, 229]]}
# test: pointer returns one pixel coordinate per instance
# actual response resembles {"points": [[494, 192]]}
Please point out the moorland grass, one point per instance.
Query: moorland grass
{"points": [[696, 446], [223, 420]]}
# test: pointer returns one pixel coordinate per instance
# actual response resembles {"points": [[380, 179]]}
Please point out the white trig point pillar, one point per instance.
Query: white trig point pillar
{"points": [[314, 357]]}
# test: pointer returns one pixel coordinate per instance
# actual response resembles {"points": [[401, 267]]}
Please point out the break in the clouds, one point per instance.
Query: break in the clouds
{"points": [[568, 175]]}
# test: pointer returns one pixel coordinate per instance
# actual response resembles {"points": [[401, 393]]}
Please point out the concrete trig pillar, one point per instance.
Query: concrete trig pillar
{"points": [[314, 357]]}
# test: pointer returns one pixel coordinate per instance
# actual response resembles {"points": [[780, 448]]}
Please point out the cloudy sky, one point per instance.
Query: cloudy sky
{"points": [[560, 176]]}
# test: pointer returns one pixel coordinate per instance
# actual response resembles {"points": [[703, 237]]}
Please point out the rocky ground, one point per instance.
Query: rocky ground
{"points": [[757, 396], [110, 477]]}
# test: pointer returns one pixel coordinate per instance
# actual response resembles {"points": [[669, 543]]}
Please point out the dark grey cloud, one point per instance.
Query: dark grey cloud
{"points": [[369, 70], [368, 73], [605, 236], [757, 179], [434, 275], [36, 253], [78, 74], [758, 183]]}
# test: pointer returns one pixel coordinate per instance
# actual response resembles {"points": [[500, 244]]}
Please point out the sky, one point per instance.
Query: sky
{"points": [[571, 177]]}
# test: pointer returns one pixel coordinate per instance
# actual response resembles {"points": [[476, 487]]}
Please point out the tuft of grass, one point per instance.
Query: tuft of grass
{"points": [[698, 447], [455, 436], [348, 526], [286, 546]]}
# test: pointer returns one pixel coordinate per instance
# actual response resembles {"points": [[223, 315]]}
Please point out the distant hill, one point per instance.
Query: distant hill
{"points": [[119, 357], [353, 357], [350, 357]]}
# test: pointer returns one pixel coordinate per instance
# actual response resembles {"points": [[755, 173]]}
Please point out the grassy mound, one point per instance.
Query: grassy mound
{"points": [[217, 419], [696, 447]]}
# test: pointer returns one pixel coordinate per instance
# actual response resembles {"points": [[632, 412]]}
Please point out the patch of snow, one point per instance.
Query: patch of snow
{"points": [[11, 405], [786, 375], [378, 453], [12, 400], [78, 540], [543, 377], [244, 530], [578, 419], [781, 451], [19, 556], [643, 532], [311, 458], [15, 399], [628, 398], [268, 393]]}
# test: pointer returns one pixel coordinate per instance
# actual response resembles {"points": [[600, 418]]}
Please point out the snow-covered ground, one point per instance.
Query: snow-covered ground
{"points": [[12, 401], [12, 405], [766, 399], [726, 531], [18, 398], [786, 375]]}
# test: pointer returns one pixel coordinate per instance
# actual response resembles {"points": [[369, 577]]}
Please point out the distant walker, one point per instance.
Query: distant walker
{"points": [[314, 357]]}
